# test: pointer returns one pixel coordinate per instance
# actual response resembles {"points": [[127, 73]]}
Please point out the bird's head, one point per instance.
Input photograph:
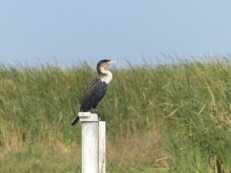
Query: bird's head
{"points": [[103, 64]]}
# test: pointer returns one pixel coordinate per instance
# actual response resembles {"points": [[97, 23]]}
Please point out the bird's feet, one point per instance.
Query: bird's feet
{"points": [[92, 110], [99, 115]]}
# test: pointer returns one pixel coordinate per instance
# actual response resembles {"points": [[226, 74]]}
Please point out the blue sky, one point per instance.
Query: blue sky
{"points": [[37, 31]]}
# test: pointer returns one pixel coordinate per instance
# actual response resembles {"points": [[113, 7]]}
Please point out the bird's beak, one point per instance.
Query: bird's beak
{"points": [[113, 61]]}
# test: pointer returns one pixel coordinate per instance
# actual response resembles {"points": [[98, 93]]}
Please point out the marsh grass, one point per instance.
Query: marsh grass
{"points": [[168, 118]]}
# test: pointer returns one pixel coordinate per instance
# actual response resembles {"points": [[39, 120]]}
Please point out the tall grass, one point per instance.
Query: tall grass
{"points": [[167, 118]]}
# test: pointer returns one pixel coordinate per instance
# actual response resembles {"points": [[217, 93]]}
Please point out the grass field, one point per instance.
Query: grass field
{"points": [[167, 118]]}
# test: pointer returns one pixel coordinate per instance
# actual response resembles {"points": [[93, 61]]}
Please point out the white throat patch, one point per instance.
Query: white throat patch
{"points": [[107, 77]]}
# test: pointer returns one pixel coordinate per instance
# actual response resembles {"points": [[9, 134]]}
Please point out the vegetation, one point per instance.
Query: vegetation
{"points": [[167, 118]]}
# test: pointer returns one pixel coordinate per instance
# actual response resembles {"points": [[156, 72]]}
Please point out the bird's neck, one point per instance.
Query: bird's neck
{"points": [[105, 75]]}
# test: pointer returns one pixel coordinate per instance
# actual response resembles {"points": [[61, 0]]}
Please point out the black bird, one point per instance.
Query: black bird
{"points": [[96, 89]]}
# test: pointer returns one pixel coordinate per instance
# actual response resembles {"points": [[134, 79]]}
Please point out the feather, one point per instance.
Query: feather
{"points": [[93, 94]]}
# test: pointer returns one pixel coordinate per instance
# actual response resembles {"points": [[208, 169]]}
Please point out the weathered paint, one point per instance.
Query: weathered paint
{"points": [[93, 143]]}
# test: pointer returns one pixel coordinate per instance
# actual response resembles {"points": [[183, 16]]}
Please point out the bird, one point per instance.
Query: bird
{"points": [[96, 89]]}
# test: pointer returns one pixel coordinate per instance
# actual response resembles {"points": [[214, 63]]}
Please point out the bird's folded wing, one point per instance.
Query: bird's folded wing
{"points": [[91, 89]]}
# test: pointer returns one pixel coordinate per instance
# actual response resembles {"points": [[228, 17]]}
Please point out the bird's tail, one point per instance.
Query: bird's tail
{"points": [[75, 121], [74, 112]]}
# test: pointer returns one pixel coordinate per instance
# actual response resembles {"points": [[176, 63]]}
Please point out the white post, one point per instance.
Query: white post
{"points": [[90, 143], [93, 143], [102, 147]]}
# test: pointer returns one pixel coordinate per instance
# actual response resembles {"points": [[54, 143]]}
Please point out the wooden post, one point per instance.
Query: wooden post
{"points": [[102, 147], [93, 143], [90, 143]]}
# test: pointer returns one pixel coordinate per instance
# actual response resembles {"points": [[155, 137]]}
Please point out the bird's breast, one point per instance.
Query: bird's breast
{"points": [[106, 78]]}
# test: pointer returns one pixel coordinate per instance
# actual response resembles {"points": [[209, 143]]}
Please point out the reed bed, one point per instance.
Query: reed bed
{"points": [[164, 118]]}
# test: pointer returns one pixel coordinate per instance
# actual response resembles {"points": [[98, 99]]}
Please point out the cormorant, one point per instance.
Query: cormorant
{"points": [[96, 89]]}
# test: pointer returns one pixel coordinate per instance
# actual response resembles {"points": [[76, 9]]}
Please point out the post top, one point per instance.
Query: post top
{"points": [[88, 117]]}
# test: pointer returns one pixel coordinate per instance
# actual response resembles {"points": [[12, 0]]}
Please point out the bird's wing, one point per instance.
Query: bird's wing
{"points": [[91, 89]]}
